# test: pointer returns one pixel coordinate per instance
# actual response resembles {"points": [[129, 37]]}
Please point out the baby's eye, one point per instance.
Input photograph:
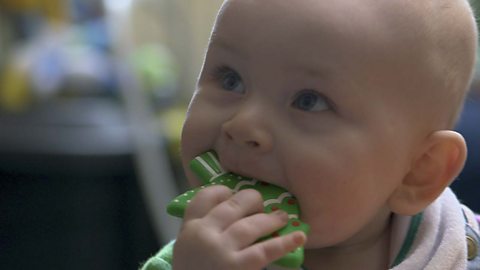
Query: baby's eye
{"points": [[230, 80], [309, 100]]}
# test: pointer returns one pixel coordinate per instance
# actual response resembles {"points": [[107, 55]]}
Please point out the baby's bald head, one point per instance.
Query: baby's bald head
{"points": [[447, 32]]}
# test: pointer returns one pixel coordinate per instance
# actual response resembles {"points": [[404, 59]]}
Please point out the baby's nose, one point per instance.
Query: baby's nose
{"points": [[248, 132]]}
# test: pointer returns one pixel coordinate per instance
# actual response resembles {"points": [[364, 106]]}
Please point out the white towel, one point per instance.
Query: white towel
{"points": [[440, 241]]}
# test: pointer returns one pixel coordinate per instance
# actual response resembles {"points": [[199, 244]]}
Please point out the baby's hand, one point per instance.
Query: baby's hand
{"points": [[221, 229]]}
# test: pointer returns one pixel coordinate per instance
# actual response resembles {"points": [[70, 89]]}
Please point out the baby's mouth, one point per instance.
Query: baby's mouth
{"points": [[246, 167], [212, 171]]}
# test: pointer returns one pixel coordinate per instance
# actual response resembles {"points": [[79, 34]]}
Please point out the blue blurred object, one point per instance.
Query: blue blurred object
{"points": [[467, 186], [68, 58]]}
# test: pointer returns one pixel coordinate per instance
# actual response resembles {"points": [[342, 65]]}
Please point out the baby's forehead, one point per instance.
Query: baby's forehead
{"points": [[409, 15], [344, 20], [418, 30], [369, 26]]}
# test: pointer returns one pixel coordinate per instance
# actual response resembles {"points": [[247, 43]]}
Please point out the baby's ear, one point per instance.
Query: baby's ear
{"points": [[438, 163]]}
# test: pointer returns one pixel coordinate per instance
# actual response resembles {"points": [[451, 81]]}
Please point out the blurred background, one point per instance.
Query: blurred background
{"points": [[92, 98]]}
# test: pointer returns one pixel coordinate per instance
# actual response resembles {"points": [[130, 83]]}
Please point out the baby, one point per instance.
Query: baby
{"points": [[349, 106]]}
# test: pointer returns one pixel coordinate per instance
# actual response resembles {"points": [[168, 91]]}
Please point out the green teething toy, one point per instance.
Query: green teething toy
{"points": [[208, 169]]}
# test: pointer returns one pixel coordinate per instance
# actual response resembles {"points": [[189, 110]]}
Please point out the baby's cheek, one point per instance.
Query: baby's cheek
{"points": [[331, 218], [198, 136]]}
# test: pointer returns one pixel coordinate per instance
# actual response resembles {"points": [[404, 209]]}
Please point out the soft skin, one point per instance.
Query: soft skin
{"points": [[330, 100]]}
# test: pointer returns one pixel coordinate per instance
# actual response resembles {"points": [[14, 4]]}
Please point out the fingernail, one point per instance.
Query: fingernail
{"points": [[281, 214], [299, 238]]}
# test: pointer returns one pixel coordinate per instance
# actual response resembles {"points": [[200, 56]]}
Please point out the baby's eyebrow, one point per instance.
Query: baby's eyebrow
{"points": [[220, 43], [313, 72]]}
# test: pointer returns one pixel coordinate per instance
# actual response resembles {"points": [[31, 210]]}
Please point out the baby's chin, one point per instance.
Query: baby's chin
{"points": [[317, 242]]}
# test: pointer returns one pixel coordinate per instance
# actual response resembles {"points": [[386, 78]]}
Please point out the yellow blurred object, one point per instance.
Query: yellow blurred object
{"points": [[54, 10], [15, 95], [173, 122]]}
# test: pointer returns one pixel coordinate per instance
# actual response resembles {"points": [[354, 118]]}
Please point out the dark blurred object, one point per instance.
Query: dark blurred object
{"points": [[467, 186], [69, 195]]}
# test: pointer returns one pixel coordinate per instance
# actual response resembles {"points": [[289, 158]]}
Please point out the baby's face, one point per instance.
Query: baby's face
{"points": [[294, 95]]}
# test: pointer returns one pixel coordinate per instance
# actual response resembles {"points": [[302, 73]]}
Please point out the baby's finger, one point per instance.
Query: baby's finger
{"points": [[248, 230], [264, 253], [243, 203], [205, 200]]}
